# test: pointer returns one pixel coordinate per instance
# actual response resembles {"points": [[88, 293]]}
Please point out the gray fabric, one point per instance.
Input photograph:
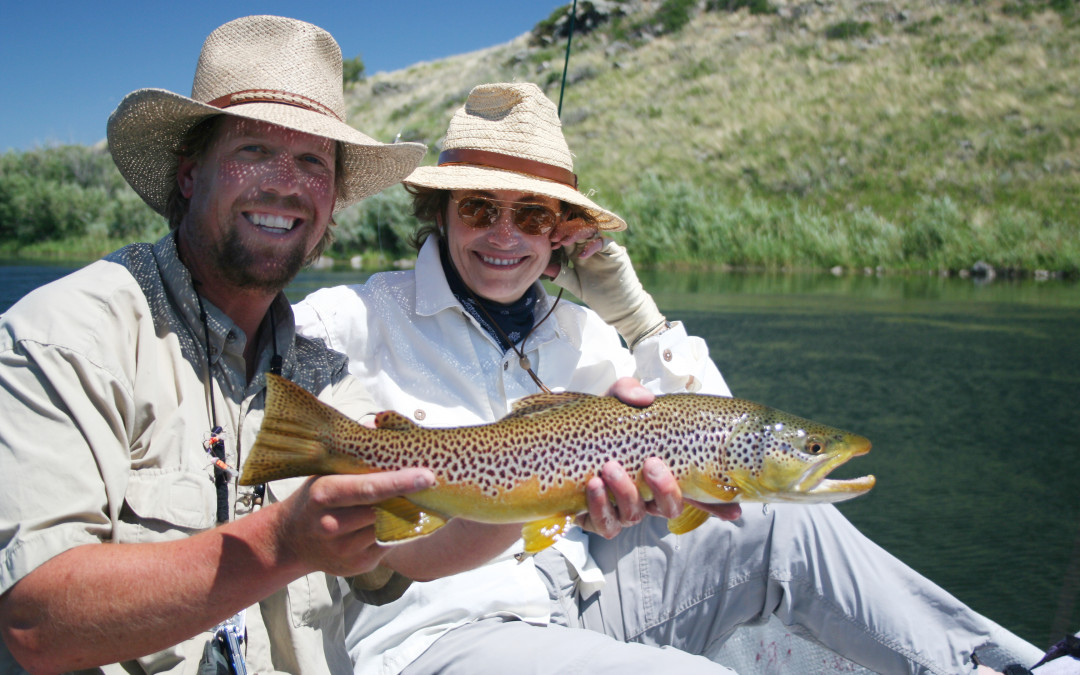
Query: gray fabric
{"points": [[496, 646], [807, 566]]}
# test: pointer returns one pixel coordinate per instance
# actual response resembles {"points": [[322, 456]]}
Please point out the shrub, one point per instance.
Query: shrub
{"points": [[674, 14], [352, 70]]}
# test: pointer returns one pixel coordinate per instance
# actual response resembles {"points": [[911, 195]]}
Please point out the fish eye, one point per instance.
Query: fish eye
{"points": [[815, 446]]}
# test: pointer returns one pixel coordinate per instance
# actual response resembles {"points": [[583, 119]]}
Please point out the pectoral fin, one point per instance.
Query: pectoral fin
{"points": [[691, 518], [539, 534], [398, 520]]}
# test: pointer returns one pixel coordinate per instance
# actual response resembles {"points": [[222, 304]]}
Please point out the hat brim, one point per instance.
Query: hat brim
{"points": [[469, 177], [148, 126]]}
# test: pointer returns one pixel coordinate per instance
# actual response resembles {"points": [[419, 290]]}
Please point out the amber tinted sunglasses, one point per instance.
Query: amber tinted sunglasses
{"points": [[483, 212]]}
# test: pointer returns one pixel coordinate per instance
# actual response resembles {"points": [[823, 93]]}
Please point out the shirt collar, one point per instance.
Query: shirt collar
{"points": [[433, 294], [176, 279]]}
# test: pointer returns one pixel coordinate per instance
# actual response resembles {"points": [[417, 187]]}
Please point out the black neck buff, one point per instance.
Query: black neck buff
{"points": [[513, 321]]}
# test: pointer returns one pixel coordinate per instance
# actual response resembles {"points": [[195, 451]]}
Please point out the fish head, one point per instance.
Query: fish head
{"points": [[773, 456]]}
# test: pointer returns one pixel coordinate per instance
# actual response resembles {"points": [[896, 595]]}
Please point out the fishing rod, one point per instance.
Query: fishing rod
{"points": [[566, 61]]}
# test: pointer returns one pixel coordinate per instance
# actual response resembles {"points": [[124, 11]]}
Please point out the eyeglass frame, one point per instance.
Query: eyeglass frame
{"points": [[559, 214]]}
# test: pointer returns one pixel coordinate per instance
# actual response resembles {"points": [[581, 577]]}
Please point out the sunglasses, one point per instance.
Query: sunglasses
{"points": [[482, 212]]}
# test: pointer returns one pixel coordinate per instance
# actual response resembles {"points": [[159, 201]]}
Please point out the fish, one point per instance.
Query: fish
{"points": [[531, 466]]}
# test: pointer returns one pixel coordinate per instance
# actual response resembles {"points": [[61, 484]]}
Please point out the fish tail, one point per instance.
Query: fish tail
{"points": [[296, 437]]}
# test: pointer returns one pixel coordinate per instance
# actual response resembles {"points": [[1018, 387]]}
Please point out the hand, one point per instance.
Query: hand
{"points": [[578, 242], [607, 283], [328, 524], [606, 518], [629, 508]]}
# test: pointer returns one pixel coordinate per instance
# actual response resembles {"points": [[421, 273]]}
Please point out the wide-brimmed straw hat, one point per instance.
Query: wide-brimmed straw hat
{"points": [[508, 136], [267, 68]]}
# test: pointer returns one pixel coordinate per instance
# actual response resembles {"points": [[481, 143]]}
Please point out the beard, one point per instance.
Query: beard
{"points": [[245, 268]]}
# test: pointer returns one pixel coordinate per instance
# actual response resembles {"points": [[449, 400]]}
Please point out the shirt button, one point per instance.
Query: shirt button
{"points": [[231, 337], [667, 354], [419, 414], [506, 364]]}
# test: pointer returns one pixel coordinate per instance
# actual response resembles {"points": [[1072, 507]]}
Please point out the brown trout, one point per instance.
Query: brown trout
{"points": [[532, 465]]}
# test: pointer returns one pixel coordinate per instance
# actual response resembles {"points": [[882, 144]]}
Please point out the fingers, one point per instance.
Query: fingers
{"points": [[613, 500], [667, 497], [631, 392], [328, 522], [370, 488], [601, 517], [629, 505], [571, 232]]}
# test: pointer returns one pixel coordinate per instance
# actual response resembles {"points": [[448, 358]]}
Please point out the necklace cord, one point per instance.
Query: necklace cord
{"points": [[522, 359], [216, 445]]}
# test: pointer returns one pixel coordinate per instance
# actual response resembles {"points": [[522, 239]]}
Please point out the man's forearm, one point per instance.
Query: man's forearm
{"points": [[106, 603], [458, 547]]}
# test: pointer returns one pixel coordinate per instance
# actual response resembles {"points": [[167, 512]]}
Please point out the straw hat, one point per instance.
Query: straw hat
{"points": [[266, 68], [508, 137]]}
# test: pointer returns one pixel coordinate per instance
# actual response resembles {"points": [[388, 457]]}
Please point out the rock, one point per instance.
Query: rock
{"points": [[983, 270]]}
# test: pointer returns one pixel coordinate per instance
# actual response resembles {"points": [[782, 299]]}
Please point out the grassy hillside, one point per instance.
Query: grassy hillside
{"points": [[904, 135], [908, 135]]}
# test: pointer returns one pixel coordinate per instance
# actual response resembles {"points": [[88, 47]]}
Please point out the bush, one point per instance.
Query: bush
{"points": [[68, 192], [755, 6], [674, 14], [847, 30], [380, 224], [352, 70]]}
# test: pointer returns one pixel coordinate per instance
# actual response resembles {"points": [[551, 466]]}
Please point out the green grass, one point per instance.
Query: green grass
{"points": [[843, 133]]}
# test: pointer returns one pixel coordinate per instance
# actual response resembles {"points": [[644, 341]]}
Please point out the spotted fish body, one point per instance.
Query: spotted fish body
{"points": [[531, 466]]}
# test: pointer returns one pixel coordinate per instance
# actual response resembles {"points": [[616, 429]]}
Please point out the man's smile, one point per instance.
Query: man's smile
{"points": [[272, 222]]}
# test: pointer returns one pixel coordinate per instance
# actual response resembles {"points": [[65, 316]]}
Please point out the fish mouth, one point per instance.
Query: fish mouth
{"points": [[814, 485], [830, 490]]}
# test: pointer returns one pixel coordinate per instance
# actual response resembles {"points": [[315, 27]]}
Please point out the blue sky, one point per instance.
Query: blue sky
{"points": [[64, 65]]}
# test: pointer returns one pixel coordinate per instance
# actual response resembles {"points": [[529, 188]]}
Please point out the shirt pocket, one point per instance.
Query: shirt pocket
{"points": [[164, 505]]}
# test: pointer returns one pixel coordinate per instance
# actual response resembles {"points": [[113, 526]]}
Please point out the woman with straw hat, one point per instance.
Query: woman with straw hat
{"points": [[471, 330]]}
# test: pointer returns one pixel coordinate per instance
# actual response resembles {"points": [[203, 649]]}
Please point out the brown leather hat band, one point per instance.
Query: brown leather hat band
{"points": [[272, 96], [497, 160]]}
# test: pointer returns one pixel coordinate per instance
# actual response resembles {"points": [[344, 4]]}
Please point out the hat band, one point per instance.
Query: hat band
{"points": [[272, 96], [497, 160]]}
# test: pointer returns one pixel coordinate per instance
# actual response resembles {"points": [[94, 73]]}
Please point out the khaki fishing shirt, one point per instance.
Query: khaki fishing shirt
{"points": [[105, 415], [419, 352]]}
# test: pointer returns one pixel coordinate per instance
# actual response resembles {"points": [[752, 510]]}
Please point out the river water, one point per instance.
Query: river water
{"points": [[968, 391]]}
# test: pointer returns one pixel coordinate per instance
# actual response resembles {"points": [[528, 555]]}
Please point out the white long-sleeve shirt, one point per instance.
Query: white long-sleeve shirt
{"points": [[419, 352]]}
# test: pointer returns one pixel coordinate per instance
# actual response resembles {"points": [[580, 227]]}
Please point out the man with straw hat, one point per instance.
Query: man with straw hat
{"points": [[471, 330], [131, 388]]}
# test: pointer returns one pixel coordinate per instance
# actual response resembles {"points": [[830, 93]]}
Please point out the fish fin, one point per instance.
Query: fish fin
{"points": [[389, 419], [691, 518], [398, 520], [539, 534], [544, 403], [292, 440]]}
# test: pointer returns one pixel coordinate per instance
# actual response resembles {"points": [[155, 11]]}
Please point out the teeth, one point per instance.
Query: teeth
{"points": [[500, 261], [271, 221]]}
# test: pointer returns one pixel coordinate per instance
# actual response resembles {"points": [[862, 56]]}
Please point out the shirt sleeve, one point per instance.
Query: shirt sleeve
{"points": [[673, 362], [63, 454], [310, 321]]}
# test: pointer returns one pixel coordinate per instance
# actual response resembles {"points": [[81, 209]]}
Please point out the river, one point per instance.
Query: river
{"points": [[969, 392]]}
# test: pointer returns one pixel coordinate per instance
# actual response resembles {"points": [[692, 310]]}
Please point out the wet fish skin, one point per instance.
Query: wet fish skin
{"points": [[531, 466]]}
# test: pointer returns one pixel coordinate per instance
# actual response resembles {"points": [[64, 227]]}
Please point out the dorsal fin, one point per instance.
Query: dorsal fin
{"points": [[395, 421], [543, 403]]}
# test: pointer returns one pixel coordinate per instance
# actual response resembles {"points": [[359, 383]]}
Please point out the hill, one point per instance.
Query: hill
{"points": [[930, 134], [857, 133]]}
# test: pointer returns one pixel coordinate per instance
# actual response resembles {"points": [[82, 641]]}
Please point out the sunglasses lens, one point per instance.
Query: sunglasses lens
{"points": [[477, 212], [534, 219]]}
